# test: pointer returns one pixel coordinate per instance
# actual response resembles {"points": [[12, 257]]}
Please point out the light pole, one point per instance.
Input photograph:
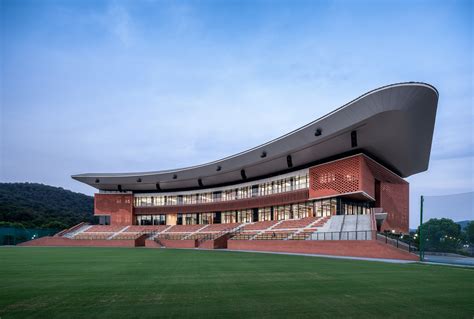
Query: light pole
{"points": [[422, 253]]}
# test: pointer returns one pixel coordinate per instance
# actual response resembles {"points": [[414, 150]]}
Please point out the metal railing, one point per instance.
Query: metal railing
{"points": [[172, 236], [268, 236], [344, 235], [212, 236], [396, 242]]}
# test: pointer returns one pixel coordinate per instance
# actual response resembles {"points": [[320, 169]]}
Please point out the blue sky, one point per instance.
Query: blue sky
{"points": [[118, 86]]}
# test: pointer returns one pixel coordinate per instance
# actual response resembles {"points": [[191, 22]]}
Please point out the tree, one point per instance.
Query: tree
{"points": [[54, 225], [469, 230], [36, 205], [441, 235]]}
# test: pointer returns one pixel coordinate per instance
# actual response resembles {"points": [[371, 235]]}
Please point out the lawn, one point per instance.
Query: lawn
{"points": [[149, 283]]}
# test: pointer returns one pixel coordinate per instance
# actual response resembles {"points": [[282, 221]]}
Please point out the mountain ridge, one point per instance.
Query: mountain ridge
{"points": [[34, 205]]}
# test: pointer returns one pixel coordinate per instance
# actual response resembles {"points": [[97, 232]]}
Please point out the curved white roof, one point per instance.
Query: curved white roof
{"points": [[394, 124]]}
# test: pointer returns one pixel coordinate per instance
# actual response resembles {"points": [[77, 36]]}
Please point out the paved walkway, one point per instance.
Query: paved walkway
{"points": [[451, 260], [393, 261]]}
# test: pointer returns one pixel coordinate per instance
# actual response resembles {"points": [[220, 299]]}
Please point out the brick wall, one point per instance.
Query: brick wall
{"points": [[359, 174], [185, 243], [394, 200], [352, 248], [66, 242], [334, 178], [150, 243], [118, 206], [218, 243], [394, 197]]}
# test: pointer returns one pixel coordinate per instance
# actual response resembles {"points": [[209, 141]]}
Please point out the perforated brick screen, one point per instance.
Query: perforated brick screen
{"points": [[339, 177], [359, 174]]}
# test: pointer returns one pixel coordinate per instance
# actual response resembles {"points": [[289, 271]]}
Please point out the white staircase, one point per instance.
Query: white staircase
{"points": [[77, 231], [116, 233], [160, 232], [345, 227]]}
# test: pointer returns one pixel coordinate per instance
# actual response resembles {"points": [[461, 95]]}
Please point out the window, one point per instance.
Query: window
{"points": [[264, 189], [282, 212], [104, 220], [254, 190], [206, 218], [144, 220], [159, 219], [229, 217], [190, 219], [244, 216], [264, 214], [216, 196]]}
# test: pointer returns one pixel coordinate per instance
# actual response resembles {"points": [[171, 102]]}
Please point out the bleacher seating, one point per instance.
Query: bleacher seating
{"points": [[244, 235], [208, 236], [184, 228], [294, 229], [127, 236], [90, 236], [296, 223], [259, 225], [172, 236], [142, 229], [273, 235], [220, 227], [105, 228]]}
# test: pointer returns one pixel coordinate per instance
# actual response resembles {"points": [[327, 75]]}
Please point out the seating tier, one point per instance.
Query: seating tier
{"points": [[184, 228], [98, 235], [260, 225], [220, 227], [140, 229], [296, 223], [104, 228]]}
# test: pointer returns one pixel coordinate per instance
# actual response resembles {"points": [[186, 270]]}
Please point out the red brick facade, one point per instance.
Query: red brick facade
{"points": [[361, 248], [392, 195], [360, 174], [352, 248], [118, 206], [66, 242], [394, 200], [335, 178], [352, 175]]}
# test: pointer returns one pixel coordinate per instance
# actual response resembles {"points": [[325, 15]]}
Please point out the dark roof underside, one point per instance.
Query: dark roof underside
{"points": [[393, 124]]}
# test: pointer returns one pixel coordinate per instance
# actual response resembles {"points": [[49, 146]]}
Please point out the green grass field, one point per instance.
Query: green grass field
{"points": [[150, 283]]}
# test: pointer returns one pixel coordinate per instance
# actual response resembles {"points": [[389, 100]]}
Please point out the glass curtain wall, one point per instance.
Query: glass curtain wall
{"points": [[151, 219], [187, 219], [262, 189], [264, 214], [314, 208]]}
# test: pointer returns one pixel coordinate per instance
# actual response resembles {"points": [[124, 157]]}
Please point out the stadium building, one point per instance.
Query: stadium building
{"points": [[335, 182]]}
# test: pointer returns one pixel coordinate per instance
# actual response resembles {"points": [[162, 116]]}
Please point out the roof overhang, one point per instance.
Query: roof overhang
{"points": [[394, 124]]}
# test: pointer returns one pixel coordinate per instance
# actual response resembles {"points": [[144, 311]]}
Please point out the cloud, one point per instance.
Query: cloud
{"points": [[137, 86], [119, 23]]}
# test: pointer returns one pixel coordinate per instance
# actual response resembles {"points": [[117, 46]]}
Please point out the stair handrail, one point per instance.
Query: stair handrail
{"points": [[210, 236], [65, 231]]}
